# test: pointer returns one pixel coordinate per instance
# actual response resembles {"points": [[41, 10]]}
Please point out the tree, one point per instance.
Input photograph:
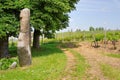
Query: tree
{"points": [[96, 29], [8, 27], [91, 28], [101, 29], [78, 30], [51, 15], [9, 17]]}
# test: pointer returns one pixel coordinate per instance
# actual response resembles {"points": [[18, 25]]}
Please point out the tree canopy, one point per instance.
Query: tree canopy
{"points": [[46, 14], [9, 16], [51, 15]]}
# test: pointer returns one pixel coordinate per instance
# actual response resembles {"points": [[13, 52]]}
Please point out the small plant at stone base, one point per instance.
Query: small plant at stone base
{"points": [[5, 63]]}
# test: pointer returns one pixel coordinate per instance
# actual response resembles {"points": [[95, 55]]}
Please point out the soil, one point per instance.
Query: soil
{"points": [[94, 57], [70, 65]]}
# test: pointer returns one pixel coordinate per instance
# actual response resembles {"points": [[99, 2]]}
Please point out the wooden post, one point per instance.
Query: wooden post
{"points": [[105, 39]]}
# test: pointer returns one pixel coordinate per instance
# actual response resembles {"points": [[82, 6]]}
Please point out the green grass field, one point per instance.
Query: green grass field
{"points": [[110, 72], [81, 65], [47, 64]]}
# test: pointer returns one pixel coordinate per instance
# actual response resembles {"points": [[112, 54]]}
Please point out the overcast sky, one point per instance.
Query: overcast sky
{"points": [[96, 13]]}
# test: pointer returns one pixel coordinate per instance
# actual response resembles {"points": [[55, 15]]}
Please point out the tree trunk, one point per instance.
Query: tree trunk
{"points": [[4, 48], [24, 50], [114, 44], [36, 39]]}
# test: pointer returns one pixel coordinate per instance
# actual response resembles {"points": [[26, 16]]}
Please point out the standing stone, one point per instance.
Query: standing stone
{"points": [[24, 50]]}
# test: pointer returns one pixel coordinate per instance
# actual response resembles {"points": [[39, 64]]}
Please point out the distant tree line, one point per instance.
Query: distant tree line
{"points": [[96, 29]]}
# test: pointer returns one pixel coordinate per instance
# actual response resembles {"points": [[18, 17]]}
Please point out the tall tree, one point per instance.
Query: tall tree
{"points": [[9, 17], [51, 15], [8, 26], [91, 28]]}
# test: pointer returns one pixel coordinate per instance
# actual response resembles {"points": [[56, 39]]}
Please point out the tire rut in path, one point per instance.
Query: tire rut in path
{"points": [[94, 72], [69, 69]]}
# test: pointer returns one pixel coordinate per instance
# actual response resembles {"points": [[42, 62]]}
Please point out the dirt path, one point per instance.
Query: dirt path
{"points": [[94, 59], [70, 65]]}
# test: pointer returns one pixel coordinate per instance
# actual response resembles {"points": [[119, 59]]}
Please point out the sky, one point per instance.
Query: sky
{"points": [[96, 13]]}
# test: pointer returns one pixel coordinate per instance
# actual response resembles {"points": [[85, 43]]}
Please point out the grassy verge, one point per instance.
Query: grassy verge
{"points": [[114, 55], [81, 65], [110, 72], [47, 64]]}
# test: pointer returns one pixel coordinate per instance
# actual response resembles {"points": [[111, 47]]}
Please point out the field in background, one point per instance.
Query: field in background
{"points": [[87, 35]]}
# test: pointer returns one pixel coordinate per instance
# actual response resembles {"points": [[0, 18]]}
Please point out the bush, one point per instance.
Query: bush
{"points": [[5, 63], [13, 51]]}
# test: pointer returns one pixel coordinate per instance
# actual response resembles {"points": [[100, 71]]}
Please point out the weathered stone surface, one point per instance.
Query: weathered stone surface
{"points": [[13, 65], [24, 51]]}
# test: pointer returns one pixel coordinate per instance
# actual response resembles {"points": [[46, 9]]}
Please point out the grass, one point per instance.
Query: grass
{"points": [[81, 65], [114, 55], [110, 72], [47, 64]]}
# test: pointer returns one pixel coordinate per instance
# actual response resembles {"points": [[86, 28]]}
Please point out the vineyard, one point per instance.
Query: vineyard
{"points": [[94, 37]]}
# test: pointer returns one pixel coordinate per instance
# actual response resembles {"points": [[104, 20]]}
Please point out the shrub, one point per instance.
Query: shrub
{"points": [[5, 63]]}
